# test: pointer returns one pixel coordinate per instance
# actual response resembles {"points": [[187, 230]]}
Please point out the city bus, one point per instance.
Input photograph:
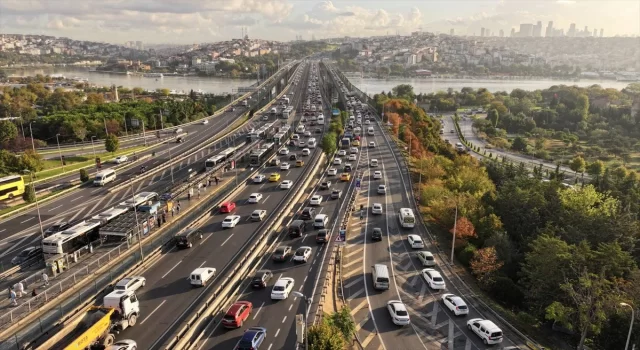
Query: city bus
{"points": [[406, 217], [258, 156], [71, 239], [11, 187]]}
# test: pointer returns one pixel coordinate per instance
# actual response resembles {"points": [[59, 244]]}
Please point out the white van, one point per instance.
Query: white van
{"points": [[380, 275], [104, 177], [320, 119], [321, 221], [312, 143], [373, 163], [201, 275], [370, 131]]}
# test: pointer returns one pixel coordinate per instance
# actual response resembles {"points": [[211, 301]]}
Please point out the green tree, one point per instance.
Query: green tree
{"points": [[8, 131], [519, 144], [325, 336], [343, 321], [30, 160], [329, 144], [404, 91], [84, 175], [578, 164], [29, 195], [596, 169], [112, 143], [493, 116]]}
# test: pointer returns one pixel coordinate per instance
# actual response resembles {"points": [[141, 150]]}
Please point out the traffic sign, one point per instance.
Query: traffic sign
{"points": [[343, 235]]}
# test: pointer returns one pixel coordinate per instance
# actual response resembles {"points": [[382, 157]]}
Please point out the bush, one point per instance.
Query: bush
{"points": [[507, 292], [466, 254], [29, 194], [84, 175]]}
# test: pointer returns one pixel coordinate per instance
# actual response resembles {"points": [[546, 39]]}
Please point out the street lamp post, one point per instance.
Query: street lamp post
{"points": [[60, 152], [37, 205], [135, 211], [33, 145], [626, 347], [307, 302], [171, 160], [93, 147]]}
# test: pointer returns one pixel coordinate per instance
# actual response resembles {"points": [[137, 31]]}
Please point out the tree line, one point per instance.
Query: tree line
{"points": [[561, 258]]}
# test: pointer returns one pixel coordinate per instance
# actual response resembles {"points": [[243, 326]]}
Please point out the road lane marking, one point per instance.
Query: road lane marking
{"points": [[277, 332], [29, 219], [75, 199], [300, 289], [290, 306], [305, 279], [154, 310], [228, 238], [303, 238], [270, 345], [284, 319], [362, 304], [352, 283], [368, 339], [356, 294], [176, 265], [14, 246], [257, 312], [202, 264], [4, 229], [54, 208]]}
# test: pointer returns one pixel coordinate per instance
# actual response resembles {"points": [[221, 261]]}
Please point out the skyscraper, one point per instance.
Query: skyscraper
{"points": [[513, 32], [572, 30], [452, 32], [602, 32], [501, 33], [595, 32], [537, 29], [482, 31], [549, 31], [526, 30]]}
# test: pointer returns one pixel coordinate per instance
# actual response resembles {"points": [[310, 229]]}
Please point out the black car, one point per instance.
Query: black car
{"points": [[325, 185], [261, 278], [27, 254], [293, 157], [322, 236], [281, 253], [308, 213], [376, 234], [347, 168], [58, 227], [336, 194]]}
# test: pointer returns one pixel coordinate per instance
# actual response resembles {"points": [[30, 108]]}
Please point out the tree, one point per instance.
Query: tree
{"points": [[493, 116], [324, 336], [8, 131], [484, 264], [329, 144], [30, 160], [464, 229], [84, 175], [404, 91], [111, 143], [29, 194], [519, 144], [577, 164], [94, 99], [342, 320]]}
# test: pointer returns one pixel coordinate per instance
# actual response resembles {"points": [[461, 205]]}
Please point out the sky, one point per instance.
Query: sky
{"points": [[198, 21]]}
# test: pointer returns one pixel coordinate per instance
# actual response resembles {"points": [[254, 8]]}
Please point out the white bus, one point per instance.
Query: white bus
{"points": [[139, 199], [71, 239], [406, 217]]}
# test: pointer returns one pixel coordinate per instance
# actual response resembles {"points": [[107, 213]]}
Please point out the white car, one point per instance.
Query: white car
{"points": [[426, 258], [353, 157], [121, 159], [306, 151], [372, 144], [434, 279], [301, 143], [342, 153], [398, 312], [455, 304], [382, 189], [285, 166], [367, 122], [302, 254], [255, 197], [337, 161], [486, 330], [282, 288], [230, 221], [377, 175], [286, 184], [124, 344], [205, 122], [415, 241], [376, 208], [353, 150], [315, 200], [258, 179], [284, 152], [132, 283], [258, 215], [307, 133], [332, 172]]}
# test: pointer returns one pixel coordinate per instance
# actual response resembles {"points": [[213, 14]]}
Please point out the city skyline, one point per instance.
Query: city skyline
{"points": [[537, 30], [160, 21]]}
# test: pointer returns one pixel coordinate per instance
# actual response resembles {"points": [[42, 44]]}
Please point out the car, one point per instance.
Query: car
{"points": [[302, 254], [282, 288], [26, 254], [255, 198], [322, 236], [261, 278], [348, 167], [377, 175], [274, 177], [455, 304], [299, 163], [121, 159], [284, 151], [308, 213], [124, 344], [237, 314], [342, 153], [415, 241], [163, 197], [486, 330], [325, 185], [281, 253], [295, 137], [230, 221], [356, 143], [227, 207], [337, 161], [286, 184], [452, 131], [353, 150], [315, 200], [353, 157], [372, 144], [382, 189], [258, 215], [307, 133], [367, 122], [293, 156], [301, 143], [332, 172], [398, 312], [336, 193], [205, 122], [433, 278], [252, 339], [285, 166], [376, 208], [426, 258], [132, 283], [57, 227], [376, 234], [317, 131], [345, 177], [258, 179], [306, 152]]}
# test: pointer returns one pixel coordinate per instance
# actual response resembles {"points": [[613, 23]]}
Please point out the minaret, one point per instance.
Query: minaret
{"points": [[115, 93]]}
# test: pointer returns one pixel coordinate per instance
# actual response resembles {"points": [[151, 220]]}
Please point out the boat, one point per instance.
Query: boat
{"points": [[152, 75]]}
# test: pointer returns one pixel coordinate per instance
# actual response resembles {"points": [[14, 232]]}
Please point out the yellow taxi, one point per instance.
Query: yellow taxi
{"points": [[345, 177], [274, 177], [356, 143], [299, 162]]}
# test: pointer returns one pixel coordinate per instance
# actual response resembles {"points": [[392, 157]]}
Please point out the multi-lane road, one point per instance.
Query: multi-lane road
{"points": [[23, 230]]}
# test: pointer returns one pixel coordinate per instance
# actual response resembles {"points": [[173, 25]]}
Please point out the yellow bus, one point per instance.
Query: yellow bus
{"points": [[11, 187]]}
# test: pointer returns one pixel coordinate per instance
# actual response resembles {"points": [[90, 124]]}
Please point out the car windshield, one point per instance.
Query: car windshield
{"points": [[24, 253], [300, 252], [280, 251], [402, 313], [278, 288]]}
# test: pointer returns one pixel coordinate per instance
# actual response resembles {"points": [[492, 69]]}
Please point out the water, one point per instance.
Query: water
{"points": [[180, 83]]}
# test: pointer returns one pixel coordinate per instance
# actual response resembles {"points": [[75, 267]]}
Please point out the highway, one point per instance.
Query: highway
{"points": [[23, 230], [168, 297]]}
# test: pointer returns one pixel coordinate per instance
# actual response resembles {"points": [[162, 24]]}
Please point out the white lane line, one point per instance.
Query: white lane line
{"points": [[257, 312], [290, 307], [228, 238], [277, 332], [4, 229], [266, 199], [152, 312], [75, 199], [176, 265], [205, 239], [270, 345], [305, 279], [29, 219], [202, 264], [54, 208], [303, 238], [97, 204], [300, 289], [284, 319]]}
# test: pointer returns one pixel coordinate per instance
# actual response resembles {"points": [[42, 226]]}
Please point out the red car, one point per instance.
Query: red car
{"points": [[237, 314], [227, 207], [358, 138]]}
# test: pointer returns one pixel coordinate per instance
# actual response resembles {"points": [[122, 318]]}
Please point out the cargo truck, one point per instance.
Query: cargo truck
{"points": [[98, 326]]}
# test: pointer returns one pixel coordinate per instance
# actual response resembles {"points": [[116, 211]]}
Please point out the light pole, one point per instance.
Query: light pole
{"points": [[93, 147], [35, 195], [630, 325], [60, 152], [170, 160], [307, 302], [106, 132], [135, 213], [33, 145], [453, 240]]}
